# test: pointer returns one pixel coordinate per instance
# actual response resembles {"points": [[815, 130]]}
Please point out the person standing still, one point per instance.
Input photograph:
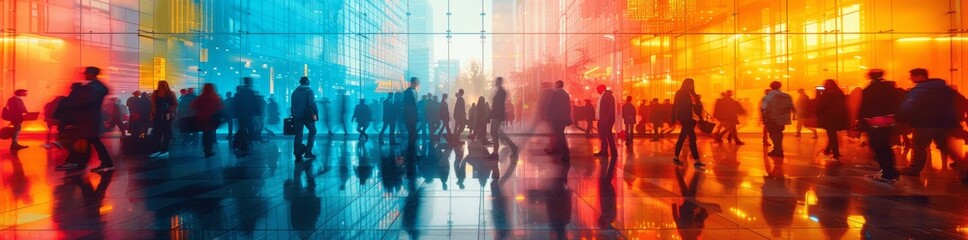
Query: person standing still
{"points": [[410, 111], [302, 108], [444, 113], [606, 121], [389, 118], [163, 106], [460, 114], [498, 116], [776, 109], [14, 112], [229, 114], [628, 117]]}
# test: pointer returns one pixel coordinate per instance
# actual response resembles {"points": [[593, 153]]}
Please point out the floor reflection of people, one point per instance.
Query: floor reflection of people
{"points": [[559, 204], [17, 181], [411, 208], [344, 165], [365, 168], [606, 194], [834, 205], [460, 166], [499, 200], [304, 205], [67, 207], [250, 192], [443, 166], [690, 217], [777, 202]]}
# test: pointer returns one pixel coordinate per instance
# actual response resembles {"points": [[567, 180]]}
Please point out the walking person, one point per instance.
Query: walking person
{"points": [[259, 118], [776, 109], [245, 111], [657, 115], [228, 114], [208, 110], [932, 109], [272, 115], [90, 96], [498, 117], [389, 118], [727, 110], [138, 117], [444, 116], [362, 116], [410, 111], [628, 117], [163, 106], [304, 114], [832, 116], [878, 105], [14, 112], [558, 113], [460, 114], [483, 118], [805, 112], [606, 122], [686, 110], [184, 111], [49, 109]]}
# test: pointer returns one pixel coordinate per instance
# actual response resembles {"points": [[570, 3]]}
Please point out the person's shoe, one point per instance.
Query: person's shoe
{"points": [[878, 177], [309, 155], [154, 154], [677, 161], [601, 154], [67, 166], [17, 147], [699, 165], [103, 168]]}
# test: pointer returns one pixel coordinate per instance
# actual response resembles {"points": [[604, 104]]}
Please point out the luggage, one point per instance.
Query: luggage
{"points": [[139, 145], [288, 127]]}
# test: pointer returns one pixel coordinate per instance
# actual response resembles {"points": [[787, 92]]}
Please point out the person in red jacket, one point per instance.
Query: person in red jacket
{"points": [[14, 112]]}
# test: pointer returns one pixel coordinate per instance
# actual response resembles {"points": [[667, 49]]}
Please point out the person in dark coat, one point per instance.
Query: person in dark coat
{"points": [[879, 100], [498, 117], [163, 106], [259, 119], [685, 112], [628, 117], [14, 112], [832, 115], [460, 113], [362, 116], [89, 99], [229, 114], [304, 114], [727, 110], [606, 122], [588, 114], [208, 107], [558, 113], [273, 117], [410, 110], [806, 112], [444, 116], [657, 115], [776, 109], [245, 111], [389, 118], [138, 118], [184, 111], [932, 109]]}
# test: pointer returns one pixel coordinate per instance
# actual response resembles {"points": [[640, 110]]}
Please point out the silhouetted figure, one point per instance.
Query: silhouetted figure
{"points": [[727, 111], [259, 118], [932, 109], [14, 112], [880, 102], [88, 100], [806, 113], [229, 113], [325, 115], [184, 111], [113, 115], [776, 109], [410, 111], [657, 116], [472, 120], [138, 114], [498, 116], [246, 110], [342, 108], [304, 115], [460, 114], [606, 122], [389, 118], [68, 132], [483, 118], [163, 106], [832, 116], [644, 111], [443, 114], [208, 116], [362, 116], [628, 118], [688, 112], [588, 113], [558, 113], [49, 109], [432, 113], [272, 115]]}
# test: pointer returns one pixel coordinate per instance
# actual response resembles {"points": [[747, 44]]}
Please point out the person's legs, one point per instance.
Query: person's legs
{"points": [[833, 143], [163, 131], [102, 152], [310, 136], [17, 126], [561, 144], [776, 136], [298, 137], [693, 146], [880, 144], [496, 135], [208, 141], [919, 152], [602, 139], [610, 138], [682, 138], [799, 128]]}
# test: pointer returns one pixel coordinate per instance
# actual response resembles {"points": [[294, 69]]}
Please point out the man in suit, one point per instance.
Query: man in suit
{"points": [[304, 114], [498, 118], [410, 110], [606, 120], [558, 113]]}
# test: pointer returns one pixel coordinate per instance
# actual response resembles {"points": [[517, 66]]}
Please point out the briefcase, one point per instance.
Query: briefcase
{"points": [[288, 128]]}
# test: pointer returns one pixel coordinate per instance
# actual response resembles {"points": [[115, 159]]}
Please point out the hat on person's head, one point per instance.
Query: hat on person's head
{"points": [[601, 88]]}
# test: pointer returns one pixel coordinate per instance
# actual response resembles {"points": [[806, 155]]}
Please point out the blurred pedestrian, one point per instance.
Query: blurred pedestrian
{"points": [[163, 108], [878, 107], [832, 116], [686, 112], [14, 112], [208, 110], [362, 116], [776, 109]]}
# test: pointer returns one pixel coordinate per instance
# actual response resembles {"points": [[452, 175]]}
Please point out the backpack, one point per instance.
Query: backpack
{"points": [[6, 115]]}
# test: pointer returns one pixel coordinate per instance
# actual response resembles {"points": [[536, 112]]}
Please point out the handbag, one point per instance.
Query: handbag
{"points": [[706, 126], [881, 121], [6, 132], [288, 127]]}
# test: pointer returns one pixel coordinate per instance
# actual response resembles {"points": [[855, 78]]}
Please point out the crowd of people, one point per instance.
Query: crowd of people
{"points": [[931, 111]]}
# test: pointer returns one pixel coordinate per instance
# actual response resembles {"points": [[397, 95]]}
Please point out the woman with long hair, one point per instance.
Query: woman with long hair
{"points": [[208, 115], [832, 115], [163, 105], [688, 112]]}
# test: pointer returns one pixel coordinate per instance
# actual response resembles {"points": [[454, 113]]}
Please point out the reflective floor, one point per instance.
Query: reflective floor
{"points": [[365, 190]]}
